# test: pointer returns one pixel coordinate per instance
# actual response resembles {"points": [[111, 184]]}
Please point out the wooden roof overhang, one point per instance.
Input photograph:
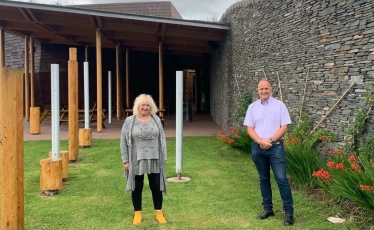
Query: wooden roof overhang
{"points": [[77, 27]]}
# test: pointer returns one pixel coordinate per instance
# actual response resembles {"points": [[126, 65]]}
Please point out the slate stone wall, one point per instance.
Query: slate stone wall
{"points": [[15, 52], [329, 42]]}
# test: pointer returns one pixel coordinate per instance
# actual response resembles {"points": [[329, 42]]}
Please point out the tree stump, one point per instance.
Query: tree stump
{"points": [[50, 174], [34, 120], [85, 137], [64, 155]]}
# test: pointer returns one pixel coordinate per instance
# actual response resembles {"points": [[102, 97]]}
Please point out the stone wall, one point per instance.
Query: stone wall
{"points": [[330, 42], [15, 52]]}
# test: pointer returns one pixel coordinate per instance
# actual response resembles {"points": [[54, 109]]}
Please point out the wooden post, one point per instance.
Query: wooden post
{"points": [[2, 47], [11, 149], [280, 88], [20, 150], [64, 155], [302, 101], [32, 72], [85, 137], [161, 77], [127, 79], [99, 82], [34, 120], [50, 174], [27, 80], [73, 104], [119, 81], [161, 81]]}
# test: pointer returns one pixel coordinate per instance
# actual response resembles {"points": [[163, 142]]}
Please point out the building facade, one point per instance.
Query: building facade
{"points": [[328, 44]]}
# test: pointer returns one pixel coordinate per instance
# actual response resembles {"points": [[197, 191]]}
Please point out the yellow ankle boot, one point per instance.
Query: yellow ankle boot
{"points": [[160, 217], [137, 217]]}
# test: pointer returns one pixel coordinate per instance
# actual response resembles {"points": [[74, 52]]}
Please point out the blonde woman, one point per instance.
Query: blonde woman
{"points": [[143, 151]]}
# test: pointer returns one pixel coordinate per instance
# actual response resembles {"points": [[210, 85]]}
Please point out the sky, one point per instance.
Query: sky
{"points": [[189, 9]]}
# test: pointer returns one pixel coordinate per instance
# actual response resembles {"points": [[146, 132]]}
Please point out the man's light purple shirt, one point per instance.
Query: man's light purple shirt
{"points": [[266, 118]]}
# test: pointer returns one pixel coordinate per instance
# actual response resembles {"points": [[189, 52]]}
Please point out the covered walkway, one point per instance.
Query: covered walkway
{"points": [[201, 125]]}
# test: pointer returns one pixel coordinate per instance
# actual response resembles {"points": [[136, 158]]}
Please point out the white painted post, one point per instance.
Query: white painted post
{"points": [[86, 97], [179, 122], [55, 110], [110, 97]]}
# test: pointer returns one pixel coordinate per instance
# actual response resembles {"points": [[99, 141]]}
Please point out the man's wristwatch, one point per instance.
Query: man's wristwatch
{"points": [[272, 141]]}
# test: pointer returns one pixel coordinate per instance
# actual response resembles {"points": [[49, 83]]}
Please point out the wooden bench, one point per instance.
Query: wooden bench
{"points": [[47, 112], [64, 115]]}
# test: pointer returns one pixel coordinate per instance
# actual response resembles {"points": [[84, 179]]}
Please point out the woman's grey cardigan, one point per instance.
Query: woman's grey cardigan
{"points": [[126, 145]]}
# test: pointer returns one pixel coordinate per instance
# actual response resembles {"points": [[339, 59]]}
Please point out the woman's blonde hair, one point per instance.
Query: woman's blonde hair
{"points": [[144, 98]]}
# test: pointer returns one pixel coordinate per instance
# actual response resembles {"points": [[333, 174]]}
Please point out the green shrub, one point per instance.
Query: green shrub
{"points": [[302, 153], [237, 138], [349, 178], [302, 161], [349, 173]]}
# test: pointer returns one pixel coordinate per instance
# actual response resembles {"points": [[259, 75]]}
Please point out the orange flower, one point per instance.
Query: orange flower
{"points": [[322, 174], [332, 151], [234, 131], [353, 158], [356, 167], [324, 148], [224, 138], [221, 132], [230, 141], [338, 152], [339, 166], [323, 138], [331, 164], [367, 188], [291, 139]]}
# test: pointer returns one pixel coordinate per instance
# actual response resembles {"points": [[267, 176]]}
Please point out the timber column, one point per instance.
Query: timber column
{"points": [[99, 80], [2, 49], [127, 79], [27, 80], [11, 149], [118, 81], [161, 82], [73, 104]]}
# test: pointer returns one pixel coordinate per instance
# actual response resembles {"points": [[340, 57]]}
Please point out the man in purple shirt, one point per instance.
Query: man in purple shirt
{"points": [[267, 120]]}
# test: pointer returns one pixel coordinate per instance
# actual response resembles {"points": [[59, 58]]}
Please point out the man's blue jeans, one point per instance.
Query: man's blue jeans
{"points": [[275, 158]]}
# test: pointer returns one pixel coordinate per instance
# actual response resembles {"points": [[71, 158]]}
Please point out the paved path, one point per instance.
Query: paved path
{"points": [[201, 125]]}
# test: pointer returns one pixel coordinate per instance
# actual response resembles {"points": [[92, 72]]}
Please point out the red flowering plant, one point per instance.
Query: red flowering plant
{"points": [[302, 153], [349, 176], [237, 138], [351, 168]]}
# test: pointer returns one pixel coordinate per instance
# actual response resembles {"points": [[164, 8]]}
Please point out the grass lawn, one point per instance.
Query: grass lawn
{"points": [[223, 192]]}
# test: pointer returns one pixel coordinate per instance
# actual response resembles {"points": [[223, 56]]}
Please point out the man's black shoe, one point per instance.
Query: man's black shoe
{"points": [[265, 215], [288, 220]]}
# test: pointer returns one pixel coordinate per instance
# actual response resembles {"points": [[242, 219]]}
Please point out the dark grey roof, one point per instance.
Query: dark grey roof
{"points": [[163, 9], [73, 26]]}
